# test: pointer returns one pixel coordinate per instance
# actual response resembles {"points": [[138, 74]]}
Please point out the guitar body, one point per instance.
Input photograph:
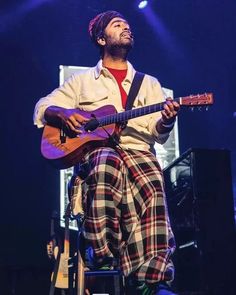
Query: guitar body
{"points": [[67, 154], [60, 276], [62, 279]]}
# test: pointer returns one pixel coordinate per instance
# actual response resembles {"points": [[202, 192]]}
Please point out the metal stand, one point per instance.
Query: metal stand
{"points": [[78, 274], [80, 262]]}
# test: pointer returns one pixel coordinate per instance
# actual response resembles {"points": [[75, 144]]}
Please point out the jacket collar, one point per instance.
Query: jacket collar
{"points": [[100, 70]]}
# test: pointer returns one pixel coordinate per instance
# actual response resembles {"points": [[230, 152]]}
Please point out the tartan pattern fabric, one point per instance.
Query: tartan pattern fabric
{"points": [[126, 213]]}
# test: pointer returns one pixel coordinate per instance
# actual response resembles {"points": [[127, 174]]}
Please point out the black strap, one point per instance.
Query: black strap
{"points": [[134, 89]]}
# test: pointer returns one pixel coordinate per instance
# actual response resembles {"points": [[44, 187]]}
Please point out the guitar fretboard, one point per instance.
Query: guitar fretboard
{"points": [[130, 114]]}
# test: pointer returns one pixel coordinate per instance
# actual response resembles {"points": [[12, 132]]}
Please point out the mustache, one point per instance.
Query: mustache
{"points": [[127, 33]]}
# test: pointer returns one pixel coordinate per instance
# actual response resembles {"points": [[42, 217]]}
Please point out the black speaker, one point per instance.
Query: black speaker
{"points": [[200, 202]]}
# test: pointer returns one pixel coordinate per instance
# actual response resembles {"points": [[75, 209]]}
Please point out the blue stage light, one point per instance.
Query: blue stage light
{"points": [[142, 4]]}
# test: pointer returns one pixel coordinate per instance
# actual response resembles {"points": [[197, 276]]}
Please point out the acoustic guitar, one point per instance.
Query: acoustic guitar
{"points": [[64, 150], [62, 275]]}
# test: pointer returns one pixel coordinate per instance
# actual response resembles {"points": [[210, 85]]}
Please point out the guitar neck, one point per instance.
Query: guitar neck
{"points": [[134, 113], [67, 236]]}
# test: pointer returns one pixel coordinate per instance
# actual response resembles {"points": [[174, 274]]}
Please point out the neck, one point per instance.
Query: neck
{"points": [[114, 62]]}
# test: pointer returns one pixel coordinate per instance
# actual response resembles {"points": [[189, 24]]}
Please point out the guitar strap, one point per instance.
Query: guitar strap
{"points": [[134, 89]]}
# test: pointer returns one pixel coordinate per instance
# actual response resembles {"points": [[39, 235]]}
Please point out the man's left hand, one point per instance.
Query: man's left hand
{"points": [[170, 111]]}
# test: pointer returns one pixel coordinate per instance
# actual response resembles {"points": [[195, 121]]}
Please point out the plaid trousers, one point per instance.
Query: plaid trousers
{"points": [[126, 214]]}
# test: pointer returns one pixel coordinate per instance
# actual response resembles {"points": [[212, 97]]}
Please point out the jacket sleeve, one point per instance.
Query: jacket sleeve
{"points": [[155, 95], [65, 96]]}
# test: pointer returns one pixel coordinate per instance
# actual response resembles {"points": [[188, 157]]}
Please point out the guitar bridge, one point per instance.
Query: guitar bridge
{"points": [[62, 136]]}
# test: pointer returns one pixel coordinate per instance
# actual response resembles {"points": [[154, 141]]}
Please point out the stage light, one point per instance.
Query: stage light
{"points": [[142, 4]]}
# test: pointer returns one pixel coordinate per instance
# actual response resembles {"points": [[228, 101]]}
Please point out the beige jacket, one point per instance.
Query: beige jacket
{"points": [[96, 87]]}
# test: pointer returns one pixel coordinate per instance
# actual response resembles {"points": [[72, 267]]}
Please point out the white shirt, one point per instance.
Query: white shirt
{"points": [[96, 87]]}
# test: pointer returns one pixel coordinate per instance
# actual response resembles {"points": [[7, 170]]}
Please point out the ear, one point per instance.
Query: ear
{"points": [[101, 41]]}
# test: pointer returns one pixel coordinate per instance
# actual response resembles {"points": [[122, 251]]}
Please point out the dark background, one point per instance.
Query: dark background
{"points": [[188, 45]]}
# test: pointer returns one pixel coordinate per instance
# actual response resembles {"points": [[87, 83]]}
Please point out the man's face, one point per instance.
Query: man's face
{"points": [[117, 34]]}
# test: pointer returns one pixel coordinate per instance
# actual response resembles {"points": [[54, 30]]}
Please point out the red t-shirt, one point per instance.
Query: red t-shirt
{"points": [[119, 75]]}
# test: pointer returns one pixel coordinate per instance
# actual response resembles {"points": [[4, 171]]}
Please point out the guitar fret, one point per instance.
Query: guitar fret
{"points": [[126, 115]]}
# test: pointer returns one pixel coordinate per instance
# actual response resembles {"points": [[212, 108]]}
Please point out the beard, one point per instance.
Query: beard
{"points": [[119, 48]]}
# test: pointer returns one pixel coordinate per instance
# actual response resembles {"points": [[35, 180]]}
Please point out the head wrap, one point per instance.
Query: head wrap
{"points": [[100, 22]]}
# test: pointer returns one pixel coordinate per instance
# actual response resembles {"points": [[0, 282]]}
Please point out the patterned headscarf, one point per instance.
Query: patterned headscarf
{"points": [[99, 23]]}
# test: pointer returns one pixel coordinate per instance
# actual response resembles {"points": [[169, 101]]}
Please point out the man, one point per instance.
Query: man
{"points": [[126, 215]]}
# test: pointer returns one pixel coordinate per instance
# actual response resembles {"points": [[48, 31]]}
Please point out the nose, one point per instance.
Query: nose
{"points": [[128, 31], [126, 27]]}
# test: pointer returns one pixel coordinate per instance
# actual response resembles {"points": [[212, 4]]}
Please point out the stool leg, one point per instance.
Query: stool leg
{"points": [[117, 285], [80, 262], [80, 274]]}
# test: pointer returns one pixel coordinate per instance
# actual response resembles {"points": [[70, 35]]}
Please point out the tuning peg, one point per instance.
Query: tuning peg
{"points": [[192, 109], [207, 108]]}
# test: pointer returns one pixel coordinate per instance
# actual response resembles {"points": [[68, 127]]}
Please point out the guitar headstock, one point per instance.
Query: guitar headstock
{"points": [[205, 99]]}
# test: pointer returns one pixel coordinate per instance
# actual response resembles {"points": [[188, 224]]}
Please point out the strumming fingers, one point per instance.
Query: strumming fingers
{"points": [[73, 128]]}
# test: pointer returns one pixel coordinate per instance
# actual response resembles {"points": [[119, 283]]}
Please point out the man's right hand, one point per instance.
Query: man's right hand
{"points": [[61, 117]]}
